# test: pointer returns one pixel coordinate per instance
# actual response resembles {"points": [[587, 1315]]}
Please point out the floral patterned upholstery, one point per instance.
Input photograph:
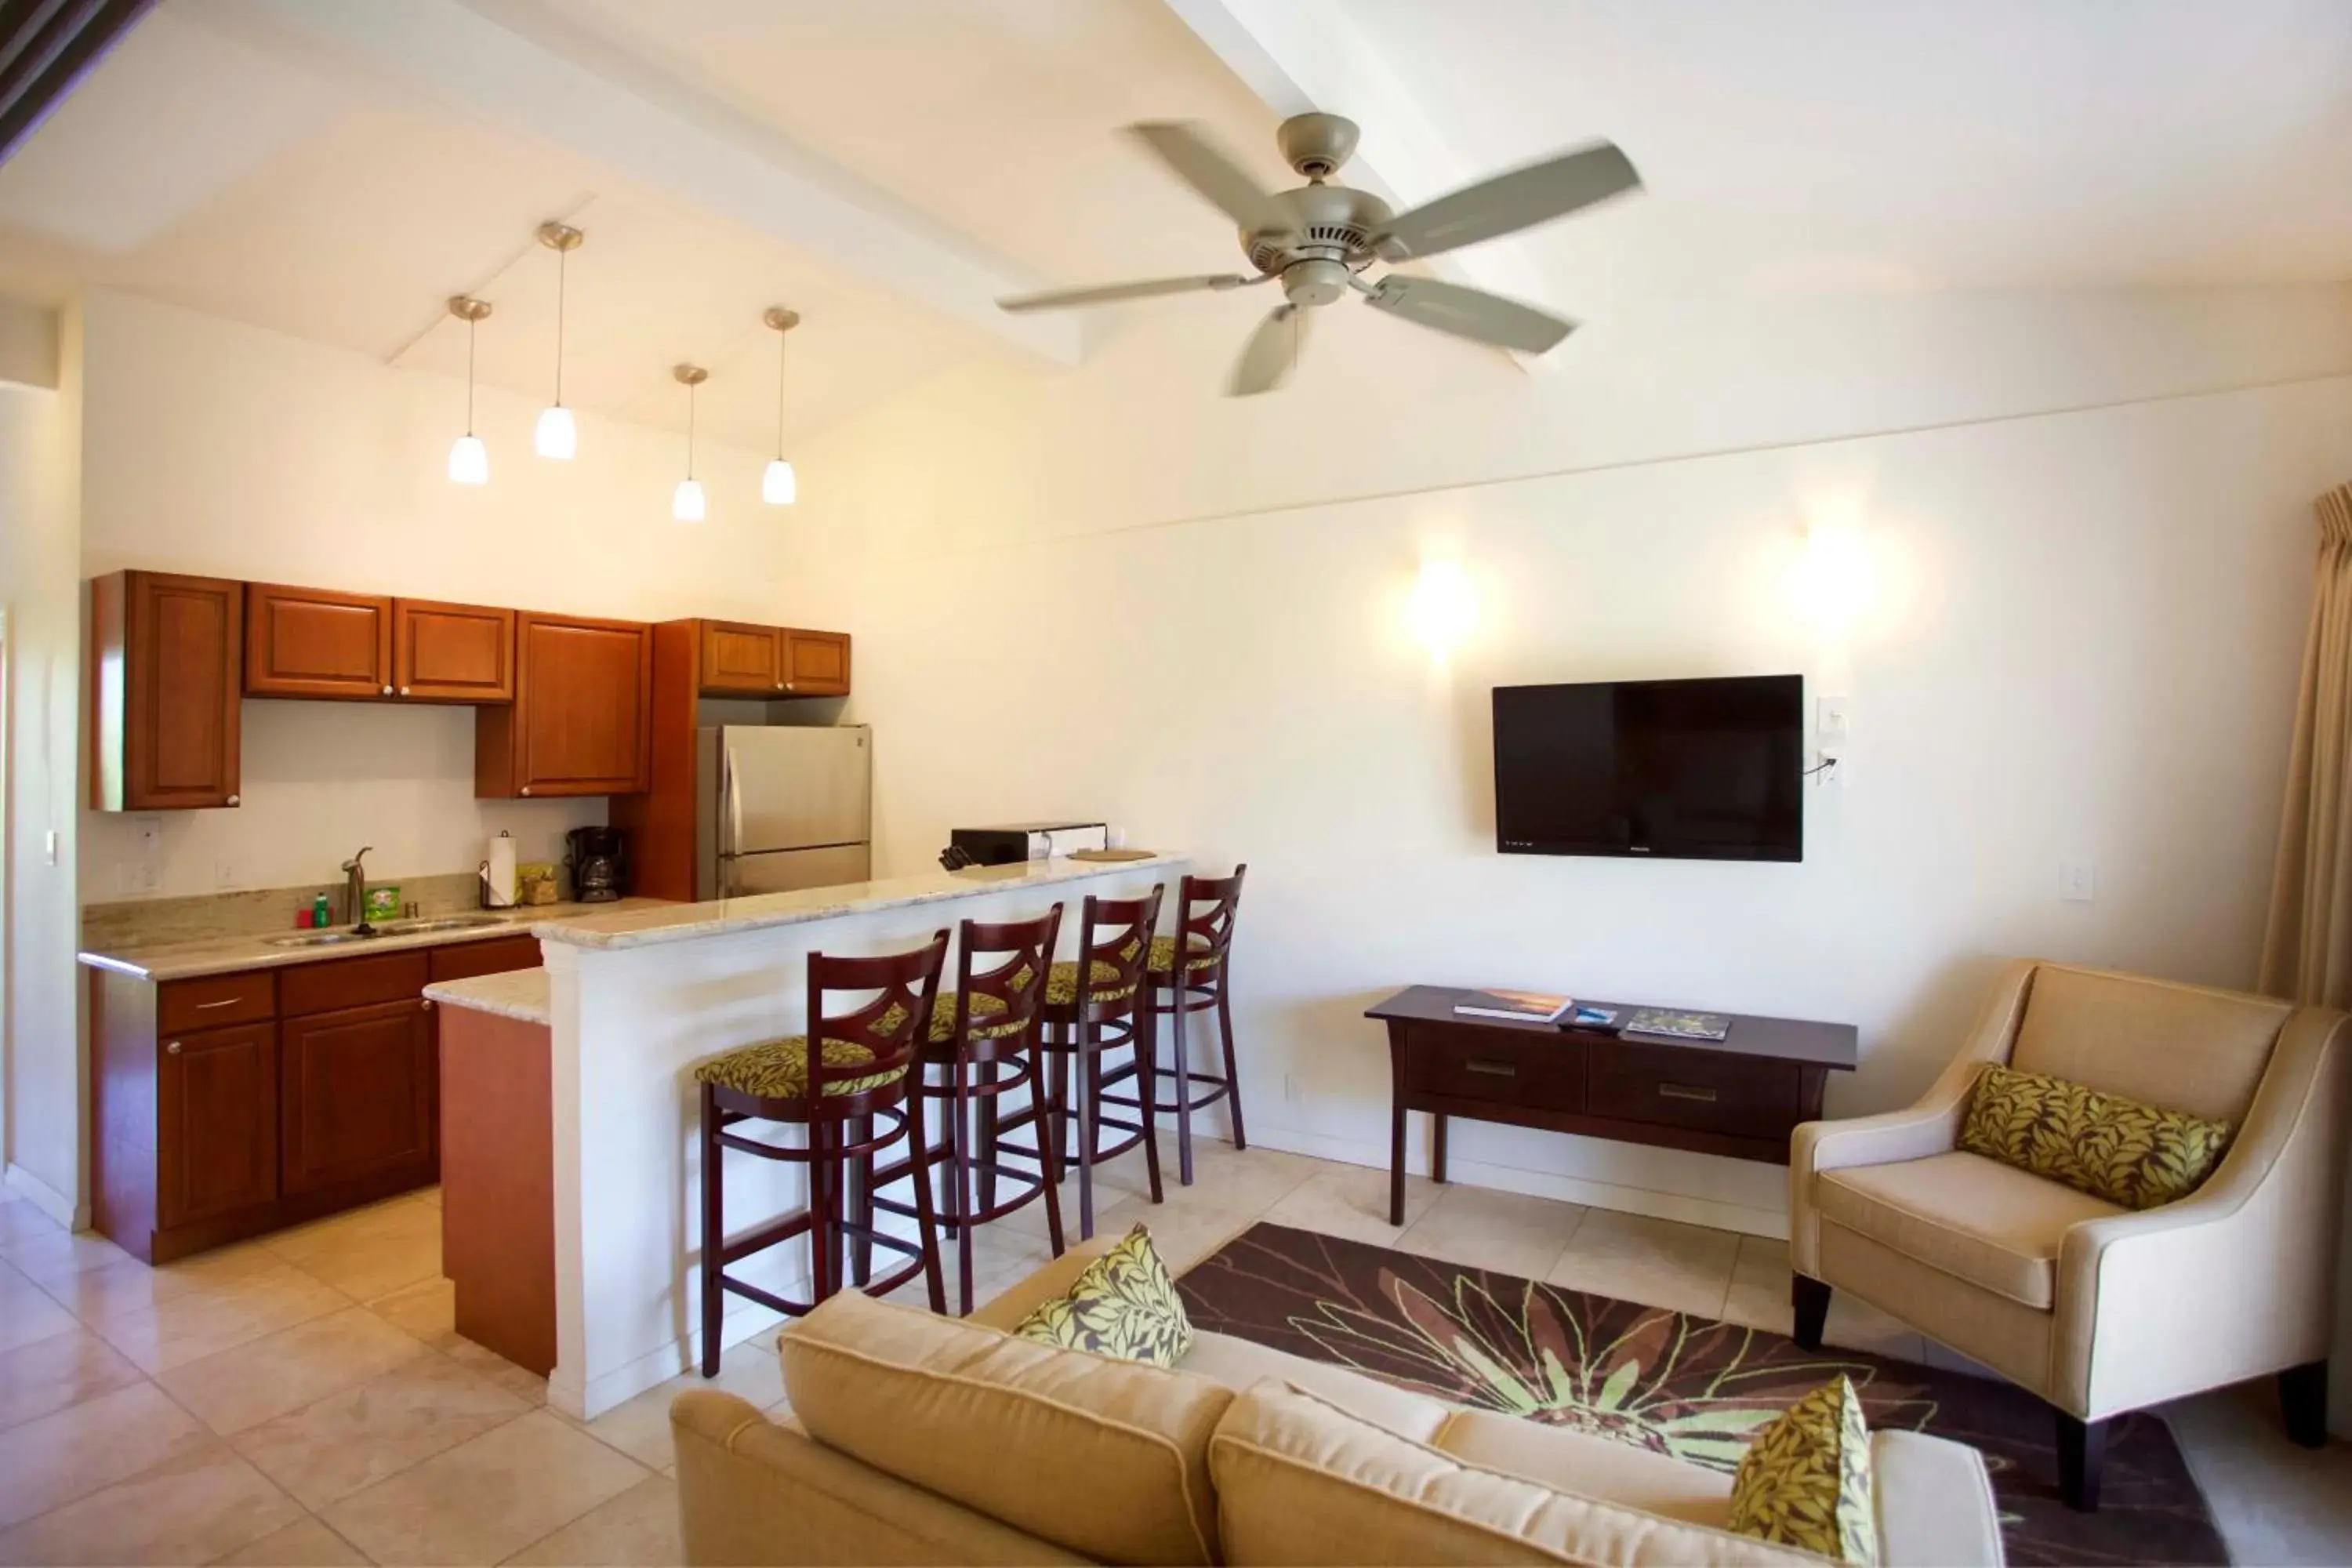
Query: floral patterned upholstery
{"points": [[779, 1068], [1062, 985], [983, 1005], [1163, 956]]}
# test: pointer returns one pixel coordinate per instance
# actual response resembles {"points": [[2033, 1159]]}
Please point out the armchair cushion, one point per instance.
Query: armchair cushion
{"points": [[1997, 1227], [2136, 1156], [2187, 1047]]}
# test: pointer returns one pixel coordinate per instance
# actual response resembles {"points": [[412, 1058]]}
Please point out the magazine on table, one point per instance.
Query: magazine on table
{"points": [[1671, 1023], [1518, 1006]]}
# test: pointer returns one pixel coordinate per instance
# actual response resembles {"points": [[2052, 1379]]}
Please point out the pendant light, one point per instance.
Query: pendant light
{"points": [[469, 460], [686, 504], [777, 486], [556, 435]]}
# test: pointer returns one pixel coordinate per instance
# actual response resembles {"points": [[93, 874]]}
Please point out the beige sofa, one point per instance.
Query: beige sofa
{"points": [[918, 1439], [2100, 1309]]}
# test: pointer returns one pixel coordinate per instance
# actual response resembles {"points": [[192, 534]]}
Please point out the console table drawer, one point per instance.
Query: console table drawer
{"points": [[1708, 1092], [1529, 1069]]}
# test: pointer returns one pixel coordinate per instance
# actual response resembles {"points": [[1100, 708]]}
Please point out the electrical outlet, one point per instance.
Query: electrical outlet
{"points": [[49, 845], [2078, 881], [224, 875], [145, 877]]}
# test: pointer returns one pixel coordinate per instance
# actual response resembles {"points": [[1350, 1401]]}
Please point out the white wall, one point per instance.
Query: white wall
{"points": [[2065, 634], [222, 449], [39, 568]]}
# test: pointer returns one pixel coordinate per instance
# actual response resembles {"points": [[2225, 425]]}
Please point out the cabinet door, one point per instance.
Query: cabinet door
{"points": [[360, 1094], [452, 653], [315, 642], [216, 1115], [817, 664], [742, 661], [581, 722], [166, 653]]}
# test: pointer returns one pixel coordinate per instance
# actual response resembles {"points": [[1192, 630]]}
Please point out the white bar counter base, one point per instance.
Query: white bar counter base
{"points": [[635, 999]]}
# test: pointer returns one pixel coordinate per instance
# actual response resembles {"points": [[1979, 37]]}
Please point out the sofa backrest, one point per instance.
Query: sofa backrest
{"points": [[2178, 1047]]}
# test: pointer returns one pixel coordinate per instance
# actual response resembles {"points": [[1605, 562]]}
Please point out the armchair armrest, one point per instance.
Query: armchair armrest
{"points": [[2232, 1281]]}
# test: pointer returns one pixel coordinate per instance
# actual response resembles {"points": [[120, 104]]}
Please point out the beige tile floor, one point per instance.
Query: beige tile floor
{"points": [[303, 1399]]}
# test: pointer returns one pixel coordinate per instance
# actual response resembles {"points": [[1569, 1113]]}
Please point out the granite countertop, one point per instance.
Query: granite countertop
{"points": [[517, 993], [228, 954], [683, 922]]}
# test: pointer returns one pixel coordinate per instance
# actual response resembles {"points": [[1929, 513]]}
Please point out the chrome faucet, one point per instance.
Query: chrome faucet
{"points": [[355, 892]]}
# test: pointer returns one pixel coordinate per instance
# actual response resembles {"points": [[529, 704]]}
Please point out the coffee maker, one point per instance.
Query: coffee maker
{"points": [[599, 864]]}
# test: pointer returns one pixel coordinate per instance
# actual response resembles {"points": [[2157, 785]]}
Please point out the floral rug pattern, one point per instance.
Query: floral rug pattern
{"points": [[1686, 1387]]}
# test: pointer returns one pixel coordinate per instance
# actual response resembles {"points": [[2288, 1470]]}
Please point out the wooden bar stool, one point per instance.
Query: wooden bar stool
{"points": [[982, 1047], [837, 1092], [1094, 1005], [1205, 906]]}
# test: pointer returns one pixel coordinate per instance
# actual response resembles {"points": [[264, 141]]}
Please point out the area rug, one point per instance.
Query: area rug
{"points": [[1688, 1386]]}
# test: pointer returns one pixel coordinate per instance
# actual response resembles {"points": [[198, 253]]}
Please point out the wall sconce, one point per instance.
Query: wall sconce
{"points": [[1444, 608]]}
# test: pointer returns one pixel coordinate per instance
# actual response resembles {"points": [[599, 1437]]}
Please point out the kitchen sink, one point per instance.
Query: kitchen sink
{"points": [[318, 939], [443, 923]]}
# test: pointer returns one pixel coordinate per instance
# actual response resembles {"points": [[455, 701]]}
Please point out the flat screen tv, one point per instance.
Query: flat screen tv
{"points": [[1687, 770]]}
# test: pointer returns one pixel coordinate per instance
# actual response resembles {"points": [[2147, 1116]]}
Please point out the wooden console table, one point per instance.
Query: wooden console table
{"points": [[1740, 1096]]}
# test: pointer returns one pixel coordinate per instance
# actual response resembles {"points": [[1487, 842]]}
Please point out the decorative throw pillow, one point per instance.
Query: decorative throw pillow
{"points": [[2103, 1144], [1805, 1481], [1125, 1305]]}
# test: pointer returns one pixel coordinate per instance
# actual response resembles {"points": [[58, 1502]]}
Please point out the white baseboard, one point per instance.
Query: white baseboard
{"points": [[48, 1199]]}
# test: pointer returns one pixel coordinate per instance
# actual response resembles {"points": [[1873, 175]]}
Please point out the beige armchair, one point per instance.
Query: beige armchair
{"points": [[2100, 1309]]}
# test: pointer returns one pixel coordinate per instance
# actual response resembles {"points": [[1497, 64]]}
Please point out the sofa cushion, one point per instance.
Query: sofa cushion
{"points": [[1586, 1462], [1984, 1222], [1299, 1481], [1805, 1480], [1002, 1424], [1123, 1304], [2113, 1148], [2188, 1047]]}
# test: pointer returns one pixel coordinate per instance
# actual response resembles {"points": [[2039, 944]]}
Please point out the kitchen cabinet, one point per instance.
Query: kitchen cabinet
{"points": [[217, 1093], [452, 653], [166, 657], [316, 642], [740, 660], [581, 719], [358, 1096], [817, 664]]}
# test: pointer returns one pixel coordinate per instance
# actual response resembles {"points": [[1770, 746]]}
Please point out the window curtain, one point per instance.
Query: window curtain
{"points": [[2307, 947]]}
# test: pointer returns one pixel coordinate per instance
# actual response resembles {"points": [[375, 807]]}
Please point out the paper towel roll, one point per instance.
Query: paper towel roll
{"points": [[502, 871]]}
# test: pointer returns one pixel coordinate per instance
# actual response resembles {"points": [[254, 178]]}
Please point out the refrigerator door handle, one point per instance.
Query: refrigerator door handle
{"points": [[730, 822]]}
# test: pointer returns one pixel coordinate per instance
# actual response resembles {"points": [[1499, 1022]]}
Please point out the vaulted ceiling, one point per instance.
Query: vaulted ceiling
{"points": [[886, 167]]}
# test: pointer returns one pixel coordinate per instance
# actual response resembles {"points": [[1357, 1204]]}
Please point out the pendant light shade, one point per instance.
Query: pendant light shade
{"points": [[556, 435], [778, 486], [687, 503], [469, 460]]}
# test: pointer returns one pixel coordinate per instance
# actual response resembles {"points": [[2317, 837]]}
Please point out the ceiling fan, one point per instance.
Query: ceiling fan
{"points": [[1320, 238]]}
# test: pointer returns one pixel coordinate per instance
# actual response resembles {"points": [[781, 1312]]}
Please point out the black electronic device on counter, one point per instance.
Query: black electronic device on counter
{"points": [[1013, 842], [598, 859]]}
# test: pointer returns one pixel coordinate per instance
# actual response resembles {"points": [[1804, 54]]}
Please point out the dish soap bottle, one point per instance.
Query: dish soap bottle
{"points": [[321, 916]]}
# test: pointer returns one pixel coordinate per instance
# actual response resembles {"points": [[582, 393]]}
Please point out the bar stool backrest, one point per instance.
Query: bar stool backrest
{"points": [[1001, 1028], [1205, 908], [904, 988], [1113, 950]]}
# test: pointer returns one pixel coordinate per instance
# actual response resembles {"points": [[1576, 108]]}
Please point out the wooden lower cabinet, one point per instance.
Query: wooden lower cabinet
{"points": [[217, 1104], [358, 1096]]}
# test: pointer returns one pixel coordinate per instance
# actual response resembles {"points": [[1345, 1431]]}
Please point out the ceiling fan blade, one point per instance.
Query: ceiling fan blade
{"points": [[1468, 313], [1507, 203], [1221, 182], [1104, 294], [1271, 353]]}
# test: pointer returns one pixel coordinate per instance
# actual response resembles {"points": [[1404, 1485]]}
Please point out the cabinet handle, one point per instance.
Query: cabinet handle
{"points": [[788, 686], [1491, 1069], [173, 1049], [388, 692], [232, 800], [1685, 1092], [526, 789], [226, 1002], [426, 1005]]}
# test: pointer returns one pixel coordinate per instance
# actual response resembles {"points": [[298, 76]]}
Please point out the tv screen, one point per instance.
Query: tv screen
{"points": [[1691, 770]]}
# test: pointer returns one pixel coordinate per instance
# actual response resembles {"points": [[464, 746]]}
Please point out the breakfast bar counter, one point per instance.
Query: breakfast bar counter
{"points": [[633, 999]]}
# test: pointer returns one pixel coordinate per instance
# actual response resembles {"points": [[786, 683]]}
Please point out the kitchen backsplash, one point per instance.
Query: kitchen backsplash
{"points": [[257, 911]]}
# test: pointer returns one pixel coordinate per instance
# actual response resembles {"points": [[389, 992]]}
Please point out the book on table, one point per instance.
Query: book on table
{"points": [[1521, 1006], [1675, 1024]]}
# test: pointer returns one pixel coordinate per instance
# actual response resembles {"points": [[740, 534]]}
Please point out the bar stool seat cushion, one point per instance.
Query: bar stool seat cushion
{"points": [[1163, 956], [1062, 985], [983, 1005], [779, 1068]]}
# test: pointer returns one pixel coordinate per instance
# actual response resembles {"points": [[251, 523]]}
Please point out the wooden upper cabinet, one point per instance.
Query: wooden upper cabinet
{"points": [[817, 664], [316, 642], [581, 719], [452, 653], [740, 660], [166, 657]]}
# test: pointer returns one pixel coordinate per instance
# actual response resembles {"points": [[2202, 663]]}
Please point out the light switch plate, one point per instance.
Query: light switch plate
{"points": [[2078, 881]]}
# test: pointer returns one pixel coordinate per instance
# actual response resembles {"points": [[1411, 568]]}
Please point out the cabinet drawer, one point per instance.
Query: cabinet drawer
{"points": [[1709, 1091], [1538, 1072], [215, 1001], [492, 956], [353, 982]]}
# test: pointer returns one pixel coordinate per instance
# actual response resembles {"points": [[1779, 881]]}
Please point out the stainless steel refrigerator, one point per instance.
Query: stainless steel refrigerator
{"points": [[783, 807]]}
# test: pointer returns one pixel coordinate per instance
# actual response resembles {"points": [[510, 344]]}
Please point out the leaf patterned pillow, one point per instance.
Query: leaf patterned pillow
{"points": [[2103, 1144], [1125, 1305], [1806, 1482]]}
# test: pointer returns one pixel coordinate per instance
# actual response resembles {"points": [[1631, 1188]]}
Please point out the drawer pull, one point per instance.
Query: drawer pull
{"points": [[224, 1002], [1491, 1069], [1685, 1092]]}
